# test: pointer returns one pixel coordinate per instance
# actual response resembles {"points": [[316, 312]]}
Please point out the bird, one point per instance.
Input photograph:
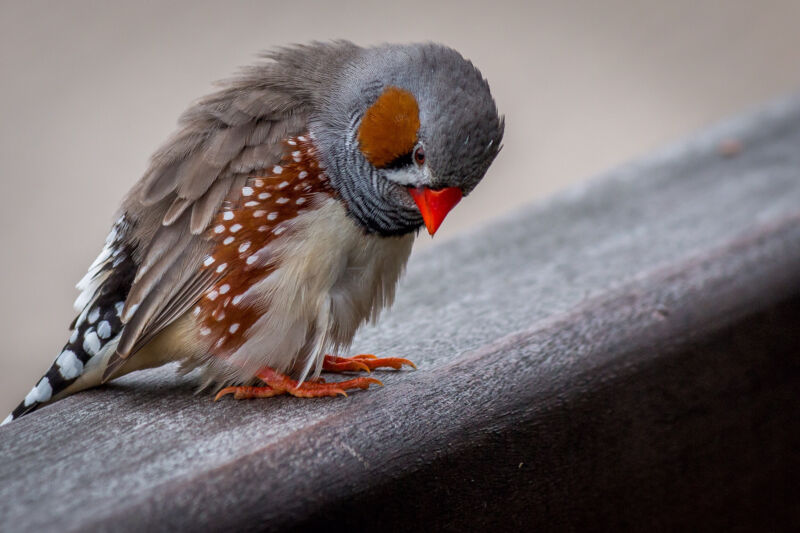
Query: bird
{"points": [[278, 219]]}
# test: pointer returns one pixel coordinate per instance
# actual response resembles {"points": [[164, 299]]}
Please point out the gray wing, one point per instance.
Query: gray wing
{"points": [[222, 139]]}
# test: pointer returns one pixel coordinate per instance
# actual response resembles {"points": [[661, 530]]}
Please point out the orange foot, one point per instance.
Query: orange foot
{"points": [[281, 384], [364, 362]]}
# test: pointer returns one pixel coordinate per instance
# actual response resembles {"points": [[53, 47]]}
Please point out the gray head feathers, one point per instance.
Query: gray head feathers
{"points": [[459, 128]]}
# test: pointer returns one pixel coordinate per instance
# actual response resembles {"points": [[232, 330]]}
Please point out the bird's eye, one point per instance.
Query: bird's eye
{"points": [[419, 155]]}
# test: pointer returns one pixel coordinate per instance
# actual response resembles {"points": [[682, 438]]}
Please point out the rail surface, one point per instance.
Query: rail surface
{"points": [[623, 355]]}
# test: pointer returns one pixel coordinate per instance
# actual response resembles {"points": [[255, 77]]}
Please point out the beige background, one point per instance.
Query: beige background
{"points": [[89, 89]]}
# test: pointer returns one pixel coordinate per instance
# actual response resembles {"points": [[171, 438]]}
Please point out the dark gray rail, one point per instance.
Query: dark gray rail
{"points": [[622, 355]]}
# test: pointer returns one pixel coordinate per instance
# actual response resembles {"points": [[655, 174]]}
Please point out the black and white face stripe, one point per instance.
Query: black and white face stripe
{"points": [[97, 326], [376, 203]]}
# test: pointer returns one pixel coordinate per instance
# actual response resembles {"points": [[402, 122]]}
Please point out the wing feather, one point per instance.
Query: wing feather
{"points": [[203, 209], [226, 144], [196, 175], [138, 321], [223, 140], [176, 209], [159, 182], [259, 134], [178, 305]]}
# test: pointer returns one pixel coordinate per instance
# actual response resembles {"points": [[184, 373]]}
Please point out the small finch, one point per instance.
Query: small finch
{"points": [[278, 219]]}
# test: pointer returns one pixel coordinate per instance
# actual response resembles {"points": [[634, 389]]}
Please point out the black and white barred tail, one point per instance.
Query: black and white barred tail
{"points": [[95, 331]]}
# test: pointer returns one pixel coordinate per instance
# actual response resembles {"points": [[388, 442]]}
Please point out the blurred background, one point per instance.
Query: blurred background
{"points": [[89, 89]]}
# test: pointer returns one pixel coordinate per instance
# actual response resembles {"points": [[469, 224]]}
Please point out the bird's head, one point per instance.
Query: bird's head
{"points": [[406, 133]]}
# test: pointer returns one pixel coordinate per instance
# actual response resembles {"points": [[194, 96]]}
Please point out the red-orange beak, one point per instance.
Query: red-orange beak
{"points": [[434, 205]]}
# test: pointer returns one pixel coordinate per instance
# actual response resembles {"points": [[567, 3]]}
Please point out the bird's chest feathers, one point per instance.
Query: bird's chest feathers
{"points": [[326, 278], [330, 261]]}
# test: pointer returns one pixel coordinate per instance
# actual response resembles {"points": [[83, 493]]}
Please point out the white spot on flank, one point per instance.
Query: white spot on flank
{"points": [[244, 246], [212, 295], [91, 343], [303, 175], [252, 259], [104, 329], [237, 299], [296, 153], [69, 366], [264, 196], [222, 267], [292, 142], [235, 228], [221, 342], [219, 228], [204, 331], [225, 288], [227, 215], [196, 310], [272, 216], [227, 240], [277, 169], [282, 200], [40, 393], [209, 260], [119, 306], [258, 183], [259, 213], [301, 139], [278, 230], [263, 228], [94, 314], [300, 201], [247, 191], [251, 203], [283, 184], [220, 316], [233, 328]]}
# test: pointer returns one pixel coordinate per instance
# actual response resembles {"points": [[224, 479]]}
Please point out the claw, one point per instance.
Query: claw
{"points": [[277, 384], [364, 362], [343, 364]]}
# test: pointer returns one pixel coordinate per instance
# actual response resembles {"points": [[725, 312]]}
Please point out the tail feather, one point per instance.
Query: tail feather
{"points": [[97, 328], [89, 342]]}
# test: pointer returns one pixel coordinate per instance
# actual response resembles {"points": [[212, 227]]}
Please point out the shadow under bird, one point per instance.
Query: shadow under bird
{"points": [[278, 219]]}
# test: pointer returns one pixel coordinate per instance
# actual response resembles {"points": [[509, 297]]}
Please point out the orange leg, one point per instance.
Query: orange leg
{"points": [[282, 384], [364, 362]]}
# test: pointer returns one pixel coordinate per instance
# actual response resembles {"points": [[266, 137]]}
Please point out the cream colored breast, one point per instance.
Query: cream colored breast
{"points": [[329, 278]]}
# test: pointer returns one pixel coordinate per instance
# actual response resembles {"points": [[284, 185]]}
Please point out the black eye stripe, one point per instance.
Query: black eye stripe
{"points": [[399, 162]]}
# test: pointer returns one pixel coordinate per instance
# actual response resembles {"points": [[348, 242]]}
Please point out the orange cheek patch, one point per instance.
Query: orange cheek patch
{"points": [[389, 127]]}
